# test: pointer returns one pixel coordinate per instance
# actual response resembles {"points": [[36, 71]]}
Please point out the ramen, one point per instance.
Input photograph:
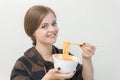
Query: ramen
{"points": [[66, 47]]}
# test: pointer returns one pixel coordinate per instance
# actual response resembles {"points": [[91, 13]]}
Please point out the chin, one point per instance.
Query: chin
{"points": [[52, 42]]}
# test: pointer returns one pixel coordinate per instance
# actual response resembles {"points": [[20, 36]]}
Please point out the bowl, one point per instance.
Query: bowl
{"points": [[66, 66]]}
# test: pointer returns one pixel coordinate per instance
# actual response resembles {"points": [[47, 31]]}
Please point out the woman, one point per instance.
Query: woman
{"points": [[37, 63]]}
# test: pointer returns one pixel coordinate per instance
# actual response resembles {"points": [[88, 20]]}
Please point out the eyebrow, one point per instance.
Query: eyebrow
{"points": [[48, 23]]}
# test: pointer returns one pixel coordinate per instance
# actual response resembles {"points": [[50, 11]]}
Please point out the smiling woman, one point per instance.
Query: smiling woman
{"points": [[37, 62], [47, 31], [37, 21]]}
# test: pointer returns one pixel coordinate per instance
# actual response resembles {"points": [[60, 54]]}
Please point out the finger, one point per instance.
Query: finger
{"points": [[68, 75], [54, 70], [89, 45], [87, 53], [89, 49]]}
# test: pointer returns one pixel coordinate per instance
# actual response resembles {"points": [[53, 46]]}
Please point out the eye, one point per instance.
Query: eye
{"points": [[54, 24], [44, 27]]}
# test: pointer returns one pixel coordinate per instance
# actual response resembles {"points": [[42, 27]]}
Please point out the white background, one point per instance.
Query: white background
{"points": [[93, 21]]}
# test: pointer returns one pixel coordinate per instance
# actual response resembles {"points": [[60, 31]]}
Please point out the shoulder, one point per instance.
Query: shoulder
{"points": [[21, 69], [23, 64], [24, 60]]}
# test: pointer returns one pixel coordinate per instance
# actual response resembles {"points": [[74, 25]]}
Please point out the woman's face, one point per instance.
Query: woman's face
{"points": [[47, 31]]}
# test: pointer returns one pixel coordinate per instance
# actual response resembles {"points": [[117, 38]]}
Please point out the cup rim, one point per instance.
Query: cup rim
{"points": [[76, 60]]}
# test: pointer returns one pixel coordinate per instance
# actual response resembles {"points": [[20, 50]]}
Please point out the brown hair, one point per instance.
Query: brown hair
{"points": [[33, 19]]}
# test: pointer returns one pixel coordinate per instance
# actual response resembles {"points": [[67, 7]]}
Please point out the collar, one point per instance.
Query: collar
{"points": [[35, 56]]}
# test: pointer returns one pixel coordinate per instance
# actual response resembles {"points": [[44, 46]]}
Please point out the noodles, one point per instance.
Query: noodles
{"points": [[66, 47]]}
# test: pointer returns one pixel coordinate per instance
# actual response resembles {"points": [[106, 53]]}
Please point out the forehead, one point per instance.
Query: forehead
{"points": [[49, 18]]}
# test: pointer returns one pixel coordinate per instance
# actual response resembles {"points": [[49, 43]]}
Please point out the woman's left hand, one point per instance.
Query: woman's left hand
{"points": [[88, 50]]}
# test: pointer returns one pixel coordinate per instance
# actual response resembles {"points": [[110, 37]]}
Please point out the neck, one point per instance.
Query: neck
{"points": [[45, 51]]}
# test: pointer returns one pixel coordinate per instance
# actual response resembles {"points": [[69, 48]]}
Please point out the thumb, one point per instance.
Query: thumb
{"points": [[56, 69]]}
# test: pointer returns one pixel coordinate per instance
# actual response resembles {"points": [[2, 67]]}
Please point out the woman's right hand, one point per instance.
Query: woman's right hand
{"points": [[53, 74]]}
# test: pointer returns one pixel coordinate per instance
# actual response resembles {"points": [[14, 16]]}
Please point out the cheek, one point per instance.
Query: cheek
{"points": [[38, 34], [57, 29]]}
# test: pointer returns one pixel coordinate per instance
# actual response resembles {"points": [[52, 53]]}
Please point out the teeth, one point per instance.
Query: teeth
{"points": [[52, 35]]}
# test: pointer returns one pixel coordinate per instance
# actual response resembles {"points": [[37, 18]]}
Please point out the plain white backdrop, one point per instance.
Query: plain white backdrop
{"points": [[93, 21]]}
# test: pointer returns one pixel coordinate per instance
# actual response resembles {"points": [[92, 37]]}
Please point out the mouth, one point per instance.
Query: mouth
{"points": [[52, 35]]}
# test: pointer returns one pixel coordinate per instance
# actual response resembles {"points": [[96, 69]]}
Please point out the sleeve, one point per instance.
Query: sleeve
{"points": [[79, 72], [21, 70]]}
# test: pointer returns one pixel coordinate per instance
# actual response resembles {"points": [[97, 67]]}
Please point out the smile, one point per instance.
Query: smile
{"points": [[52, 35]]}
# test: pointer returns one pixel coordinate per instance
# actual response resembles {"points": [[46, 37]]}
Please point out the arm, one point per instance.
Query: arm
{"points": [[88, 52], [88, 72]]}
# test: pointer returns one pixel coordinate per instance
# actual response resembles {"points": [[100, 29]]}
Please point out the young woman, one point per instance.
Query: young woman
{"points": [[40, 24]]}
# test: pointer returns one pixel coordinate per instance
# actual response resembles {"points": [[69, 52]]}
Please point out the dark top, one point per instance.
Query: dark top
{"points": [[32, 66]]}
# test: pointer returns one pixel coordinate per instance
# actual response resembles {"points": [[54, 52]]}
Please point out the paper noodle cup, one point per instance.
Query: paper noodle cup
{"points": [[66, 66]]}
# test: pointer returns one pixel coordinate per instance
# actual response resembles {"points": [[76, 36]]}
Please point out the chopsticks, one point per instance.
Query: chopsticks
{"points": [[81, 44], [78, 44]]}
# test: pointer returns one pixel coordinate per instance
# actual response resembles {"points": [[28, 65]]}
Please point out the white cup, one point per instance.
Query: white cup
{"points": [[66, 66]]}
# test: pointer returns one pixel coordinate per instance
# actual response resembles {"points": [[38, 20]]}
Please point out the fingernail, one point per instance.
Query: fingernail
{"points": [[73, 71], [83, 43], [58, 68]]}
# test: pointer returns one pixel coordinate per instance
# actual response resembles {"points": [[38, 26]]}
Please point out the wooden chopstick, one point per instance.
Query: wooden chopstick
{"points": [[77, 44], [80, 44]]}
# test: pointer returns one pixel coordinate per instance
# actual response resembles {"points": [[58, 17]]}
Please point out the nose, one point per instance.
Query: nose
{"points": [[51, 28]]}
